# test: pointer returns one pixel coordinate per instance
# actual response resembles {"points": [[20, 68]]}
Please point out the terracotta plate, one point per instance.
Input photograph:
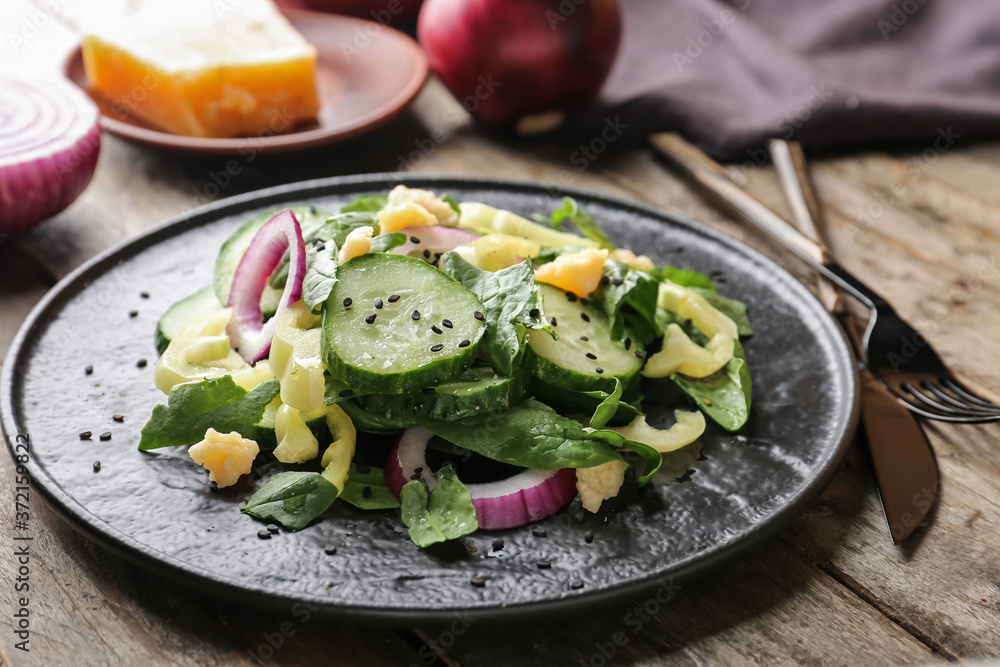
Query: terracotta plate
{"points": [[366, 74], [156, 508]]}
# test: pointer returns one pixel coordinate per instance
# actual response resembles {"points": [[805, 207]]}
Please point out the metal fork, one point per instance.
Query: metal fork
{"points": [[895, 352]]}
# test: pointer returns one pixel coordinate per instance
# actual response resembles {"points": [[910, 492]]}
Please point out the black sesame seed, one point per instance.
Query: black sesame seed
{"points": [[312, 210], [584, 339], [347, 302], [570, 296], [427, 254], [418, 469], [599, 370], [584, 301], [105, 436], [534, 313], [437, 348], [415, 476], [414, 239], [346, 393], [97, 466], [478, 582], [321, 246], [628, 344], [543, 565], [538, 532], [118, 418], [144, 295], [415, 315], [141, 363], [605, 280], [370, 319], [88, 370], [640, 354], [437, 256], [264, 534], [588, 537], [435, 329], [464, 343], [617, 282], [447, 324], [585, 317], [393, 298], [133, 313], [479, 316], [576, 585], [497, 545], [591, 355], [378, 302], [253, 364], [367, 492], [273, 528], [363, 469], [553, 321], [330, 550], [85, 435]]}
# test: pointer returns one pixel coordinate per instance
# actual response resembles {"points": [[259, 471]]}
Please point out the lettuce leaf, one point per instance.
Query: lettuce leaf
{"points": [[292, 499], [321, 273], [365, 203], [571, 211], [445, 514], [193, 407]]}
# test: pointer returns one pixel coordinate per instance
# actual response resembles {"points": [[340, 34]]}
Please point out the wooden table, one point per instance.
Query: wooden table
{"points": [[921, 227]]}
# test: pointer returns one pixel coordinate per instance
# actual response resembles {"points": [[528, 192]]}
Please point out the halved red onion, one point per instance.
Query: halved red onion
{"points": [[248, 333], [49, 141], [528, 496], [433, 238]]}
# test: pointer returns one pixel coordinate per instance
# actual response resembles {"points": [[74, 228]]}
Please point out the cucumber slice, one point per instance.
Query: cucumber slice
{"points": [[187, 309], [400, 349], [310, 219], [565, 362], [476, 390]]}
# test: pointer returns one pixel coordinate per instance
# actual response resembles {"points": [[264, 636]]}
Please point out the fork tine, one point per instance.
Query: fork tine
{"points": [[953, 385], [951, 400], [940, 408], [953, 418]]}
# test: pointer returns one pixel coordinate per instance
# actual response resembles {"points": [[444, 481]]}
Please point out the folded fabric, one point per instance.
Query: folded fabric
{"points": [[729, 75]]}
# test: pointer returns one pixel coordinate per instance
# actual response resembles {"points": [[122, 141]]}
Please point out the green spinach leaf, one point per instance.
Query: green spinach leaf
{"points": [[726, 397], [733, 309], [292, 499], [445, 514], [378, 496], [685, 277], [386, 242], [628, 287], [369, 203], [530, 434], [571, 211], [193, 407], [321, 274]]}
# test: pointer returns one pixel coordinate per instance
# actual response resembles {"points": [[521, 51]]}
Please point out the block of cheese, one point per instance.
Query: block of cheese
{"points": [[204, 69]]}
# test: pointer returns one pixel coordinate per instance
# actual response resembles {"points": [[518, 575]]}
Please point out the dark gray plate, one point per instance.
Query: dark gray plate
{"points": [[157, 509]]}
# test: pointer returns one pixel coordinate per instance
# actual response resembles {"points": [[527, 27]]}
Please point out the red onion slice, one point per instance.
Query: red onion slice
{"points": [[248, 332], [49, 141], [528, 496], [433, 238]]}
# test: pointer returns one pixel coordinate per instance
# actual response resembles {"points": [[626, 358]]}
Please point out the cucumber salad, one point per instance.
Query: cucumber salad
{"points": [[504, 360]]}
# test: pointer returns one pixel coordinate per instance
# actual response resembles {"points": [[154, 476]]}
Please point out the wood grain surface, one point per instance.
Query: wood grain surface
{"points": [[920, 225]]}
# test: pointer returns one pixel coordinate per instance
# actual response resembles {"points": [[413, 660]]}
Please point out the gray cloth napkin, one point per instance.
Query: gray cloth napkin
{"points": [[729, 75]]}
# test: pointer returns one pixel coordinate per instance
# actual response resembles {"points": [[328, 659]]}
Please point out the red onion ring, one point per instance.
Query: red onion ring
{"points": [[528, 496], [434, 238], [248, 332]]}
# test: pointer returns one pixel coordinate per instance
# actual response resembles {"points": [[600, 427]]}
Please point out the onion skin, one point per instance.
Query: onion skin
{"points": [[506, 60], [50, 138], [248, 332], [528, 496]]}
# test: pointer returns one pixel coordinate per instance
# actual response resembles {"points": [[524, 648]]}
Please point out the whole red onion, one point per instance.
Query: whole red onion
{"points": [[521, 63], [387, 12]]}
